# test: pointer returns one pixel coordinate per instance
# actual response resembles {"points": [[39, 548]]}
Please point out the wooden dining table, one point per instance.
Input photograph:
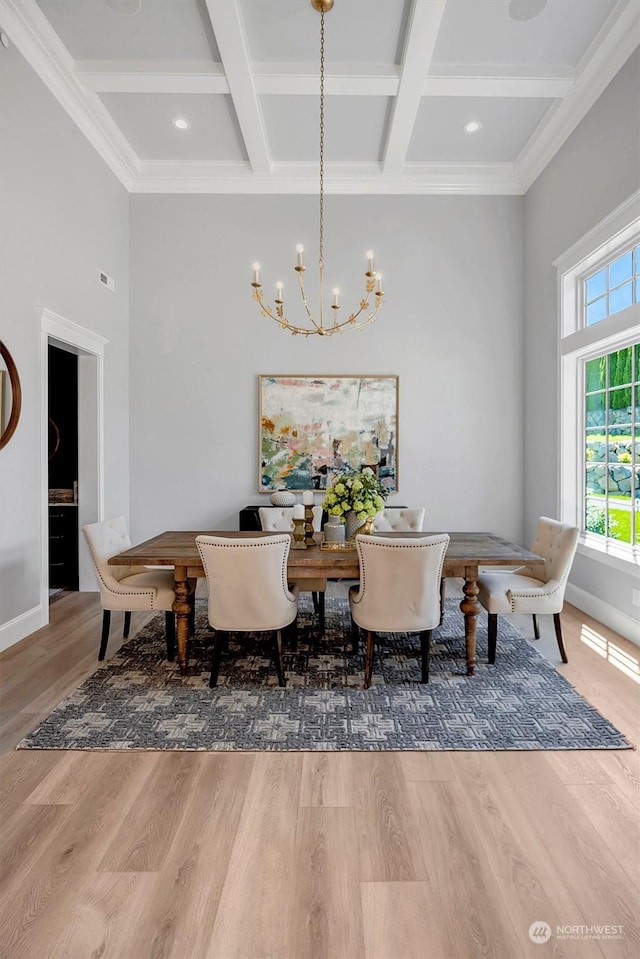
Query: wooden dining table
{"points": [[465, 554]]}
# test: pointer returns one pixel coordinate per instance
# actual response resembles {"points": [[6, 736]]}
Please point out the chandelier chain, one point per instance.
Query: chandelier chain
{"points": [[322, 138], [363, 313]]}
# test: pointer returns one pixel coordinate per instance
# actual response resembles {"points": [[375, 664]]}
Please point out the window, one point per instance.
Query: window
{"points": [[599, 292], [613, 288], [612, 445]]}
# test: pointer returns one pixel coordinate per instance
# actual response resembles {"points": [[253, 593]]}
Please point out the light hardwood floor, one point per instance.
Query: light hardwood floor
{"points": [[313, 856]]}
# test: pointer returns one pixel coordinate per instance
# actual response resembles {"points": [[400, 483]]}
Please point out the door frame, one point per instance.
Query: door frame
{"points": [[58, 331]]}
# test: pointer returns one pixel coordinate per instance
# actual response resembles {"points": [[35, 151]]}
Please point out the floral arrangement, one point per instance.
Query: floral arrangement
{"points": [[362, 493]]}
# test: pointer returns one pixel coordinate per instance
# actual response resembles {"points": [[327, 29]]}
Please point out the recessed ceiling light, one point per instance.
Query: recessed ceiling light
{"points": [[128, 8], [181, 123], [472, 126], [526, 9]]}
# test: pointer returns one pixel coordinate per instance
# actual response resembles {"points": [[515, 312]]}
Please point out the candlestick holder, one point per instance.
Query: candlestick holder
{"points": [[298, 535], [308, 525]]}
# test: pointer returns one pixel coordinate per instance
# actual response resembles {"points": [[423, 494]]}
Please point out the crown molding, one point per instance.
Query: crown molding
{"points": [[75, 86], [29, 29], [607, 54], [625, 219], [302, 178]]}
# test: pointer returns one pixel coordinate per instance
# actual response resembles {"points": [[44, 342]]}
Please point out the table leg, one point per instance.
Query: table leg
{"points": [[470, 608], [182, 609]]}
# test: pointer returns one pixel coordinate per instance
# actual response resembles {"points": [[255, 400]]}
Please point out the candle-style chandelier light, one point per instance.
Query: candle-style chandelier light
{"points": [[373, 280]]}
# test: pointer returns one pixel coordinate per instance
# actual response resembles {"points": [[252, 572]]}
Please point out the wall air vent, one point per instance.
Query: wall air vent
{"points": [[107, 281]]}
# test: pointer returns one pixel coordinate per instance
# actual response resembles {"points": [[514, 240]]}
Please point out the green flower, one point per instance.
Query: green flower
{"points": [[362, 493]]}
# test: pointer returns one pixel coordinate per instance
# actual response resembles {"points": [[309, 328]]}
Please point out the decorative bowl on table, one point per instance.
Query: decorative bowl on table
{"points": [[282, 497]]}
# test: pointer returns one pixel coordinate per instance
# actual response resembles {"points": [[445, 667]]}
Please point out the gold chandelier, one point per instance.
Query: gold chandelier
{"points": [[373, 281]]}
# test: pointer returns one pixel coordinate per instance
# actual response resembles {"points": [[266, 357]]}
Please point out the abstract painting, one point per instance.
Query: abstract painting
{"points": [[312, 427]]}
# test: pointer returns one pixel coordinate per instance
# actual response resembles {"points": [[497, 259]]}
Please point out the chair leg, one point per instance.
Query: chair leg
{"points": [[536, 628], [277, 657], [290, 632], [314, 599], [127, 625], [425, 648], [170, 634], [192, 618], [368, 663], [321, 612], [355, 636], [215, 659], [443, 591], [492, 636], [558, 628], [106, 623]]}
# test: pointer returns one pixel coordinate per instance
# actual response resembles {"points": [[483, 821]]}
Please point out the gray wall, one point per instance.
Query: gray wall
{"points": [[64, 218], [593, 173], [451, 329], [455, 327]]}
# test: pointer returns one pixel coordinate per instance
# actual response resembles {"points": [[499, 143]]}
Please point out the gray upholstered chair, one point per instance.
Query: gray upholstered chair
{"points": [[280, 518], [532, 589], [127, 588], [399, 590], [248, 590], [393, 519]]}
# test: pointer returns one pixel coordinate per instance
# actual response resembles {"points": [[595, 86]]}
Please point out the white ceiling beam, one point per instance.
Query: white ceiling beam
{"points": [[343, 80], [231, 40], [533, 71], [464, 86], [114, 77], [117, 76], [422, 32]]}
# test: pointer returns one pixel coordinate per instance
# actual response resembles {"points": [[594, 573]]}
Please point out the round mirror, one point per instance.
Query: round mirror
{"points": [[8, 424]]}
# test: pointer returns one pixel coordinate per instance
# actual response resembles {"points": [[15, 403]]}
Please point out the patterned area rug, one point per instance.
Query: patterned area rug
{"points": [[137, 700]]}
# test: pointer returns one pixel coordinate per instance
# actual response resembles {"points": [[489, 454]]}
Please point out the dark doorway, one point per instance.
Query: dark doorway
{"points": [[63, 469]]}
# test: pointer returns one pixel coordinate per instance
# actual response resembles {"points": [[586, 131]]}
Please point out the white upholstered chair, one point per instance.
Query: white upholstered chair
{"points": [[248, 590], [532, 589], [276, 519], [127, 588], [280, 518], [399, 590], [398, 518]]}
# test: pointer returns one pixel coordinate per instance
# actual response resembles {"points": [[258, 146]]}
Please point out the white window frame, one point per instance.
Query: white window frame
{"points": [[578, 343]]}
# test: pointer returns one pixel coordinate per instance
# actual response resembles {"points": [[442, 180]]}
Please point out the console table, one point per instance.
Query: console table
{"points": [[249, 518]]}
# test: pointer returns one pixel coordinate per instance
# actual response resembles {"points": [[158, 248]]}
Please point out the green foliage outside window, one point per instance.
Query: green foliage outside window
{"points": [[612, 444]]}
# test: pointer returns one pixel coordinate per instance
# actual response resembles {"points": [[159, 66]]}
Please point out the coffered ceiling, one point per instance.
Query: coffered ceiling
{"points": [[403, 78]]}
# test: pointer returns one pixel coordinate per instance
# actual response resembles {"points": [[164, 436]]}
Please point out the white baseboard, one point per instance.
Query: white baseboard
{"points": [[23, 625], [606, 614]]}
